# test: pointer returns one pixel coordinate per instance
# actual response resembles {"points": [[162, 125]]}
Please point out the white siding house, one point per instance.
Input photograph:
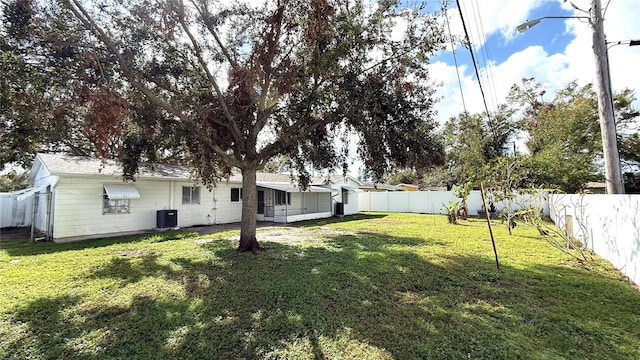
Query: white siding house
{"points": [[344, 193], [86, 197]]}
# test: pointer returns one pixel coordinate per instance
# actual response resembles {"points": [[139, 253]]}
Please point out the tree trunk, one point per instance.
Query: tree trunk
{"points": [[248, 241]]}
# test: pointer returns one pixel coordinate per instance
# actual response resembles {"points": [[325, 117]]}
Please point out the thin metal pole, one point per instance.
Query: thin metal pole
{"points": [[486, 215], [34, 215]]}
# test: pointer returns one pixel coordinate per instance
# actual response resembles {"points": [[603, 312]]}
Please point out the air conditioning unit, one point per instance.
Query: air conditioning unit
{"points": [[166, 219], [339, 209]]}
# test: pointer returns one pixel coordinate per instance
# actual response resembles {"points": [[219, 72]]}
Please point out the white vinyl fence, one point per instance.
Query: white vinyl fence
{"points": [[14, 213], [607, 224], [432, 202]]}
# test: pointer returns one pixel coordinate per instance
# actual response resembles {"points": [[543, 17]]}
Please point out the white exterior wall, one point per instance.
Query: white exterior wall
{"points": [[215, 206], [78, 206], [609, 224], [302, 217], [351, 207], [79, 203]]}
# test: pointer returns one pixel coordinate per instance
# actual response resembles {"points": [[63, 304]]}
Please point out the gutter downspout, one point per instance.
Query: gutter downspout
{"points": [[171, 194]]}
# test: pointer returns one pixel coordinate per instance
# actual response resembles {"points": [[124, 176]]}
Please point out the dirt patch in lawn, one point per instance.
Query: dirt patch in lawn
{"points": [[390, 222], [285, 235]]}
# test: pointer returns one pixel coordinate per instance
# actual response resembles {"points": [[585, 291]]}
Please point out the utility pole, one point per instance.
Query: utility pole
{"points": [[613, 174]]}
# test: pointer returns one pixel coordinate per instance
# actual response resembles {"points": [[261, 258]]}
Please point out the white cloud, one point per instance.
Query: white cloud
{"points": [[488, 17], [576, 62]]}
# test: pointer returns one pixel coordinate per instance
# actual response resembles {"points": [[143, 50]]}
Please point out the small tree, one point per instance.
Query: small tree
{"points": [[508, 175], [555, 236], [463, 193], [452, 209], [13, 181]]}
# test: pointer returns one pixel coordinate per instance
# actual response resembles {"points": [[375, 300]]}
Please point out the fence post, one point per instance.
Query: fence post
{"points": [[568, 227]]}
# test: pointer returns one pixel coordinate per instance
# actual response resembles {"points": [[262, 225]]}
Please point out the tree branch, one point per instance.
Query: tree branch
{"points": [[81, 13], [203, 14], [233, 125]]}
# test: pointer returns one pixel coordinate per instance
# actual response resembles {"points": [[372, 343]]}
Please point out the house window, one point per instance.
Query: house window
{"points": [[236, 194], [115, 206], [190, 195], [116, 198], [283, 198]]}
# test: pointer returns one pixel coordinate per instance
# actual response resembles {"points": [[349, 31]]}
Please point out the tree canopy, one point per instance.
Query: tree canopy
{"points": [[40, 62], [232, 85], [561, 134], [474, 140]]}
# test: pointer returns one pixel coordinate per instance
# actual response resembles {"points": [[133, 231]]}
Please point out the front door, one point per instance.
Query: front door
{"points": [[260, 202]]}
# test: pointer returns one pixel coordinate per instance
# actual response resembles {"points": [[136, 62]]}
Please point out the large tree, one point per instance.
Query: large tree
{"points": [[235, 84], [39, 61], [474, 140], [564, 134]]}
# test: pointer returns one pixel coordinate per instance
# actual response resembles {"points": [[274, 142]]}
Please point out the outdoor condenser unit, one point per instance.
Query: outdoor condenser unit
{"points": [[167, 219]]}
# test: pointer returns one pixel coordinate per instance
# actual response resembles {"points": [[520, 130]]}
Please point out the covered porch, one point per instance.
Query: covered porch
{"points": [[284, 203]]}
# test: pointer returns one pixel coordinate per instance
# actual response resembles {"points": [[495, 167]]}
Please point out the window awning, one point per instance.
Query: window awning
{"points": [[121, 191]]}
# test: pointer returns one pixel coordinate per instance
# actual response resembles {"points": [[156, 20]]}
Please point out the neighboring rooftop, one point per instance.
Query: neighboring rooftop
{"points": [[379, 187], [325, 179]]}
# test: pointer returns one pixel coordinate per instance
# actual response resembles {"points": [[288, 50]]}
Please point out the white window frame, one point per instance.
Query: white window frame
{"points": [[193, 190], [282, 197], [115, 206]]}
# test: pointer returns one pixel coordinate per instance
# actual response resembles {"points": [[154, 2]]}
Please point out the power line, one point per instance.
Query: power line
{"points": [[473, 57], [455, 61], [604, 13], [485, 54]]}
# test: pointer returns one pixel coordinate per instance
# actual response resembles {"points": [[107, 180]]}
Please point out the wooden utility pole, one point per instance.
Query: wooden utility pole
{"points": [[613, 174]]}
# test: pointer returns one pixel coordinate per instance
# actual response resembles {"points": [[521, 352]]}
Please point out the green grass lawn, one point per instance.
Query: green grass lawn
{"points": [[372, 286]]}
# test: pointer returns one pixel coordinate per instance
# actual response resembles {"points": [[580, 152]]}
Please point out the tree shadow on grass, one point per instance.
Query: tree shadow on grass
{"points": [[345, 298], [27, 248], [131, 268], [336, 219]]}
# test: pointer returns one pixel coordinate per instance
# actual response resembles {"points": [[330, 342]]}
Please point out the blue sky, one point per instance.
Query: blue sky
{"points": [[551, 35], [555, 52]]}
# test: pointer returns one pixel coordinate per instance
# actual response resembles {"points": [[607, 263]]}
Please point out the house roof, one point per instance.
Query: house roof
{"points": [[333, 179], [58, 164], [372, 185]]}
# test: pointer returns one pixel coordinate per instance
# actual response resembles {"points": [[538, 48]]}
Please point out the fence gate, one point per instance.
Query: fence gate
{"points": [[41, 225]]}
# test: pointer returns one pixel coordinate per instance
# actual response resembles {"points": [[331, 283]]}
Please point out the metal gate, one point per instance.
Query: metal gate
{"points": [[41, 224]]}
